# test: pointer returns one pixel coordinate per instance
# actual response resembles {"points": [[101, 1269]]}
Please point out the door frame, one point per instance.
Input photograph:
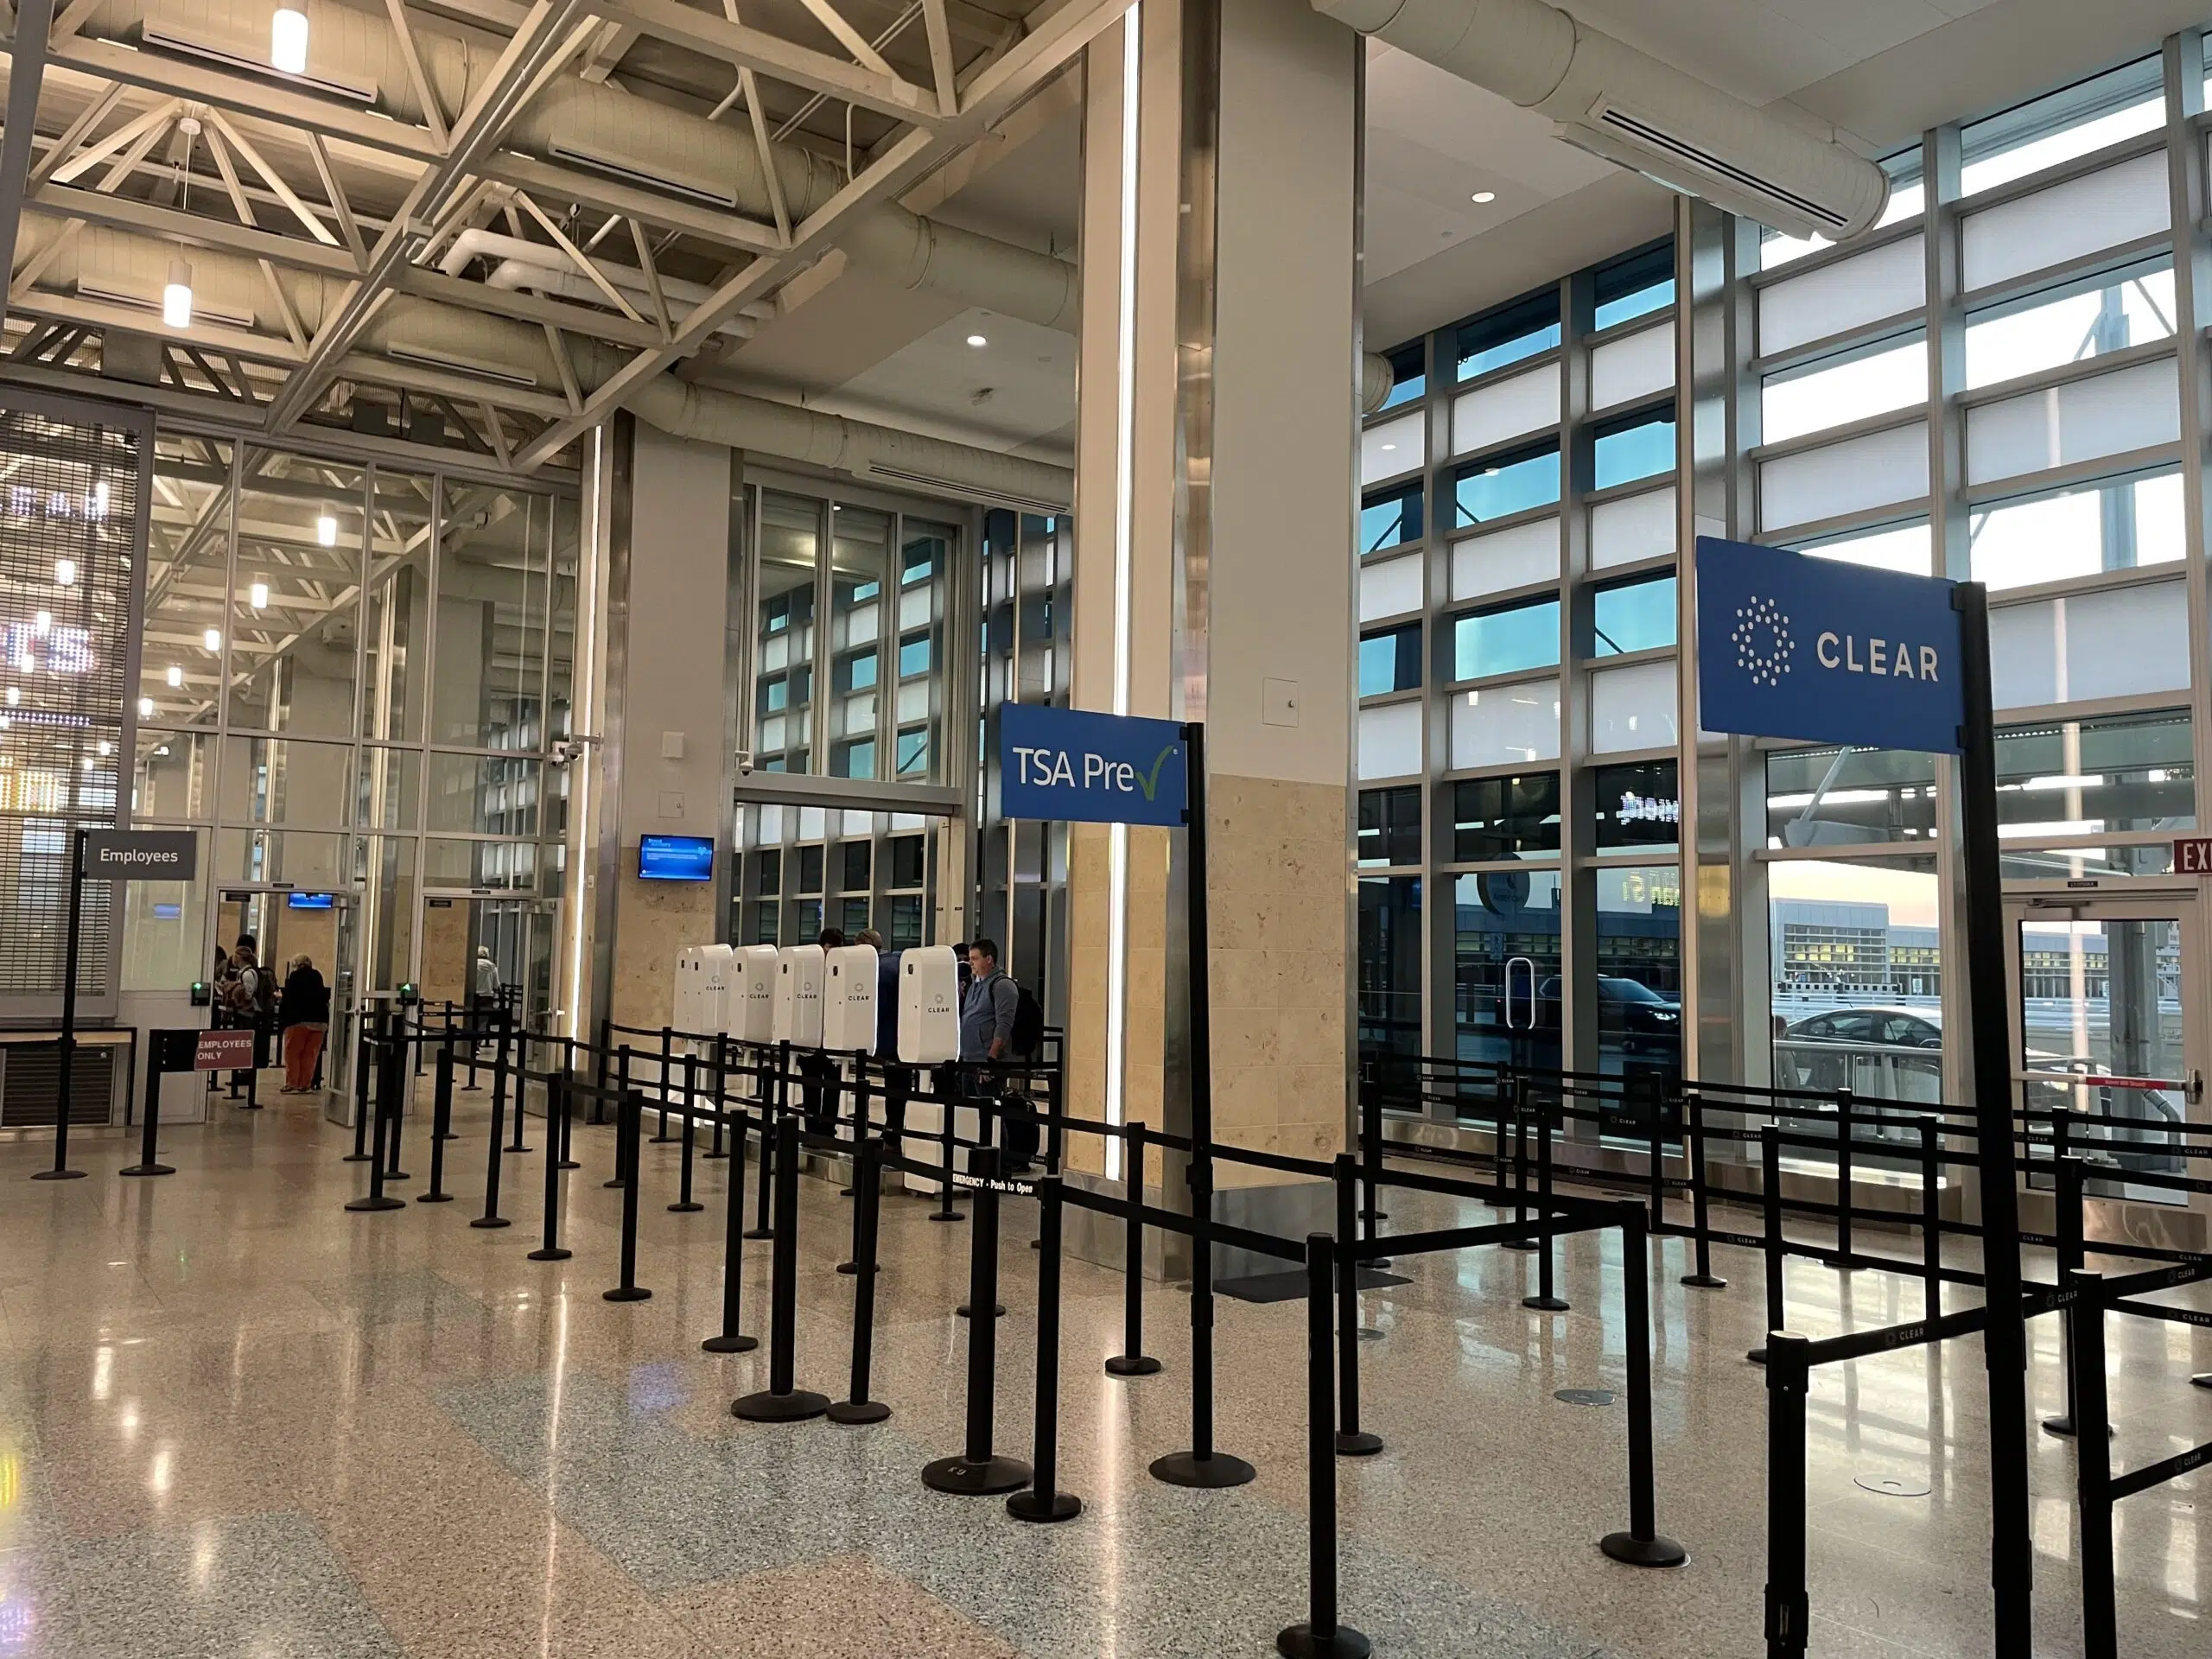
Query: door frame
{"points": [[2183, 1226]]}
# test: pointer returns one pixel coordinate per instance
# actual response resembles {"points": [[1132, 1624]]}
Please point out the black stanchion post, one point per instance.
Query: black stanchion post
{"points": [[721, 1078], [771, 1096], [1520, 1113], [565, 1152], [403, 1089], [729, 1339], [660, 1090], [780, 1402], [622, 1151], [977, 1472], [1133, 1361], [2085, 1338], [2071, 1175], [601, 1056], [1789, 1378], [1547, 1299], [492, 1217], [1371, 1159], [1931, 1219], [518, 1072], [475, 1042], [1202, 1466], [388, 1063], [856, 1408], [1643, 1544], [150, 1131], [66, 1043], [361, 1062], [1044, 1501], [1351, 1440], [1654, 1091], [1320, 1636], [1701, 1195], [633, 1113], [556, 1105], [1770, 1231], [1843, 1135], [441, 1127], [685, 1203], [948, 1110]]}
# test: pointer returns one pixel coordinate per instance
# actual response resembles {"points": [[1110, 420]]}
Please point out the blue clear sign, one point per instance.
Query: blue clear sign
{"points": [[676, 858], [1075, 767], [1793, 646]]}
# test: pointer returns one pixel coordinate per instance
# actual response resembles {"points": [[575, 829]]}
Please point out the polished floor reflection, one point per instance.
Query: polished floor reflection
{"points": [[237, 1420]]}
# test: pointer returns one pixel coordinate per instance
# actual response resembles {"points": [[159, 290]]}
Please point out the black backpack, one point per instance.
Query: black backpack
{"points": [[1028, 1024]]}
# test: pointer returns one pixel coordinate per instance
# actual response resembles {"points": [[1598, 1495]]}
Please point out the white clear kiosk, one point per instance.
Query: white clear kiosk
{"points": [[798, 1017], [751, 995], [929, 1034]]}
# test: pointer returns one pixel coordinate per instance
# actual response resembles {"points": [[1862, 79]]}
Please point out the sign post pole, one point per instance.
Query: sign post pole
{"points": [[2004, 1338], [61, 1172]]}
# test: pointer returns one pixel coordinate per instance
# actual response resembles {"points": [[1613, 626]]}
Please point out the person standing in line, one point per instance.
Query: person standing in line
{"points": [[487, 996], [252, 998], [988, 1006], [305, 1013]]}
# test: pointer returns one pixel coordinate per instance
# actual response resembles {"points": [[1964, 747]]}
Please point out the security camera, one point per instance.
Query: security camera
{"points": [[745, 763], [563, 750]]}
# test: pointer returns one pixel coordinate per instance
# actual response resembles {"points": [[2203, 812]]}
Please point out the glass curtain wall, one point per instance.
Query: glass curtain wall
{"points": [[349, 678], [1998, 382]]}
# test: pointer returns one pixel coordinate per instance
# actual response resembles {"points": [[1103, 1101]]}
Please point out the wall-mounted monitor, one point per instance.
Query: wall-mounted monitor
{"points": [[676, 858], [309, 901], [169, 912]]}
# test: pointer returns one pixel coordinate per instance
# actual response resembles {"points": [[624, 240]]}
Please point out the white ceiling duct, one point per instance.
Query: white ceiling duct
{"points": [[1376, 380], [596, 126], [409, 329], [1631, 109]]}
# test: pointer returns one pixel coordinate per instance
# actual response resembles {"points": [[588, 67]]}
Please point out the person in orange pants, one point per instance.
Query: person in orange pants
{"points": [[305, 1012]]}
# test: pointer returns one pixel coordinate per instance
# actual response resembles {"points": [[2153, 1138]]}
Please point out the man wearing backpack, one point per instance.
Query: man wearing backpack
{"points": [[1000, 1021]]}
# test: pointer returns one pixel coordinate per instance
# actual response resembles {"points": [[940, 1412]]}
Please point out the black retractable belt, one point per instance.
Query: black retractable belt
{"points": [[780, 1402], [361, 1053], [557, 1107], [633, 1112], [729, 1339], [1133, 1361], [1320, 1636], [389, 1062], [150, 1129], [441, 1128], [770, 1094], [492, 1217], [867, 1204], [977, 1472], [1043, 1502], [1770, 1231]]}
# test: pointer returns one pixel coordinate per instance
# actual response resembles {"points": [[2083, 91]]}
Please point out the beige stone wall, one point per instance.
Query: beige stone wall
{"points": [[659, 919], [445, 951], [1277, 880]]}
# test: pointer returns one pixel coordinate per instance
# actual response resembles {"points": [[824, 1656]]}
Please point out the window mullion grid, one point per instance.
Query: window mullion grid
{"points": [[1440, 947], [2186, 189], [1578, 930]]}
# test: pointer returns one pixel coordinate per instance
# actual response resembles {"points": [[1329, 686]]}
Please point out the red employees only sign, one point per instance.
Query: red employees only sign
{"points": [[223, 1051]]}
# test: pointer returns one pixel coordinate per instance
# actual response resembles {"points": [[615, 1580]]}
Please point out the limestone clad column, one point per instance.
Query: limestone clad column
{"points": [[1214, 519]]}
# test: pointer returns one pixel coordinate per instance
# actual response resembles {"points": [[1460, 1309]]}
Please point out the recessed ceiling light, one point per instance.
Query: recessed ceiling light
{"points": [[1484, 195], [977, 340]]}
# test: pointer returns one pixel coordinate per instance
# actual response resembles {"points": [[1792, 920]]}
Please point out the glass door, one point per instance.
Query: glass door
{"points": [[2109, 995]]}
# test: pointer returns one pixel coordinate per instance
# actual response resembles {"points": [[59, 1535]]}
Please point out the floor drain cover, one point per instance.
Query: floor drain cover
{"points": [[1586, 1396], [1892, 1486]]}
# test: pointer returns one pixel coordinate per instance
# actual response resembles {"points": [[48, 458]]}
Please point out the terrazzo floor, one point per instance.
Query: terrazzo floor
{"points": [[237, 1420]]}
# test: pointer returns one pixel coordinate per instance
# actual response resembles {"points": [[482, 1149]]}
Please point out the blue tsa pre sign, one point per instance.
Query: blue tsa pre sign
{"points": [[1076, 767], [1793, 646]]}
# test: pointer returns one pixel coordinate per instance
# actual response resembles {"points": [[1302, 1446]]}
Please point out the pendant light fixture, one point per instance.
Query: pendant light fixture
{"points": [[176, 293], [287, 40]]}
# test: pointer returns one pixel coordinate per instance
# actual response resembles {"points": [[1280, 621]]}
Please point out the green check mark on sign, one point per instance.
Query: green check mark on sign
{"points": [[1150, 783]]}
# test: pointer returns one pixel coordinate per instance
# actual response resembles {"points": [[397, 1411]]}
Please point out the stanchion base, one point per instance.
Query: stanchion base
{"points": [[1545, 1304], [434, 1197], [147, 1169], [1299, 1642], [1705, 1281], [758, 1233], [1133, 1365], [1187, 1469], [998, 1311], [567, 1163], [2062, 1428], [855, 1413], [1655, 1551], [1357, 1443], [491, 1221], [2203, 1382], [1757, 1357], [377, 1203], [797, 1406], [966, 1479], [554, 1254], [711, 1156], [946, 1215], [59, 1175], [1044, 1508], [616, 1186], [355, 1158], [849, 1268], [738, 1344], [684, 1208], [627, 1294], [448, 1135], [1518, 1244]]}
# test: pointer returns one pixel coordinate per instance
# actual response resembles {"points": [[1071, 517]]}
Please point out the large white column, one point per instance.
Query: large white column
{"points": [[1214, 520]]}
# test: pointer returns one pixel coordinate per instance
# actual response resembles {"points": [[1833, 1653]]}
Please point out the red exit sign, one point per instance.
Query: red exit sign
{"points": [[2193, 856]]}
